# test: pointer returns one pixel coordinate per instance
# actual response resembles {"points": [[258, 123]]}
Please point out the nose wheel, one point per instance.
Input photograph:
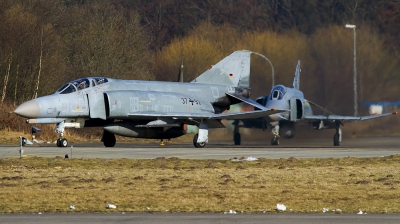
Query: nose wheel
{"points": [[62, 142]]}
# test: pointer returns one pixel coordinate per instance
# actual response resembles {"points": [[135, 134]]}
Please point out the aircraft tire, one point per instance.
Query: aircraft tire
{"points": [[195, 140], [237, 138], [109, 139], [275, 141], [336, 139], [63, 142], [58, 142], [198, 145]]}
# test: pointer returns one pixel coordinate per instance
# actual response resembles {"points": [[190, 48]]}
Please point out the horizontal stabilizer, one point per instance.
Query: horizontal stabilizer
{"points": [[247, 100]]}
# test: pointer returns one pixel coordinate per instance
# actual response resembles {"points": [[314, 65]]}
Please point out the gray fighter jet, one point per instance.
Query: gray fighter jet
{"points": [[298, 110], [149, 109]]}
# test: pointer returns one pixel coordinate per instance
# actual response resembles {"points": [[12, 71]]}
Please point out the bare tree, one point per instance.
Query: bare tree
{"points": [[3, 95], [40, 66]]}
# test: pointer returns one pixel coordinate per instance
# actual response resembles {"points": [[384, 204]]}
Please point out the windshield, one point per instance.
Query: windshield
{"points": [[278, 92], [73, 86], [80, 84], [68, 88]]}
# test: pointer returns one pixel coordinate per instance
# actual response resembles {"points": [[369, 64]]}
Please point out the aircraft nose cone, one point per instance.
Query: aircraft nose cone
{"points": [[28, 109]]}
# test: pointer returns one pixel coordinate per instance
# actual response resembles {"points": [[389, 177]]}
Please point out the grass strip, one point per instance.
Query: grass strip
{"points": [[346, 185]]}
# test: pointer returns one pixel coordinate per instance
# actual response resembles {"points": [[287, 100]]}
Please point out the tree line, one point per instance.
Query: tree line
{"points": [[45, 44]]}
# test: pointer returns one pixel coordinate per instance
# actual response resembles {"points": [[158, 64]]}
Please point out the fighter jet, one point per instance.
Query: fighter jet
{"points": [[149, 109], [297, 110]]}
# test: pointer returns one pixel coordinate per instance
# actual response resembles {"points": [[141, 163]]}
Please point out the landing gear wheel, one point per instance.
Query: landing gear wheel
{"points": [[108, 139], [336, 140], [237, 138], [275, 141], [62, 142], [198, 145]]}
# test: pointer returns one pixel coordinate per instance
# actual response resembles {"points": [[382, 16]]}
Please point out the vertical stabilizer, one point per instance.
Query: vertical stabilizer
{"points": [[234, 70], [296, 80]]}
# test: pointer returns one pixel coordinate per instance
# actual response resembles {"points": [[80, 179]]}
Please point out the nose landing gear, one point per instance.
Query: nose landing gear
{"points": [[61, 142], [275, 132]]}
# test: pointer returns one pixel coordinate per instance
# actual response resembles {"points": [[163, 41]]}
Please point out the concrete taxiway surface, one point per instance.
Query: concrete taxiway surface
{"points": [[302, 148]]}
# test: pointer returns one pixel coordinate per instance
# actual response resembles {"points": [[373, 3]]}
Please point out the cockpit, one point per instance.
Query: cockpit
{"points": [[278, 92], [80, 84]]}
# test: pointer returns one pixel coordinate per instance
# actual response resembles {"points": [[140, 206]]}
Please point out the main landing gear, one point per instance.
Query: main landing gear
{"points": [[61, 141], [200, 140], [337, 137], [196, 144], [108, 139], [236, 134]]}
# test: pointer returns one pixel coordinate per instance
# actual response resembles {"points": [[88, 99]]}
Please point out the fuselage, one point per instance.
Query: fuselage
{"points": [[284, 98], [125, 96]]}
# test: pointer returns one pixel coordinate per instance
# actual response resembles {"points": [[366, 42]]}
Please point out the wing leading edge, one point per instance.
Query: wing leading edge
{"points": [[344, 118], [262, 112], [196, 116]]}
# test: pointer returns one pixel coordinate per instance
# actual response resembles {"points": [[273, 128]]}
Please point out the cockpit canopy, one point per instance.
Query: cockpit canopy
{"points": [[80, 84], [278, 92]]}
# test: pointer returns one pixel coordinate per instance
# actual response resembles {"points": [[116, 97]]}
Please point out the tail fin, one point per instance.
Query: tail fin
{"points": [[296, 80], [233, 70]]}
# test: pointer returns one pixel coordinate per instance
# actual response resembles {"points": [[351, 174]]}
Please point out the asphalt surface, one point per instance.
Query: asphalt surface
{"points": [[303, 148], [299, 148]]}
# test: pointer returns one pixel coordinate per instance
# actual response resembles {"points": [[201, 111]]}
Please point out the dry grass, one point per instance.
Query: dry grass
{"points": [[176, 185]]}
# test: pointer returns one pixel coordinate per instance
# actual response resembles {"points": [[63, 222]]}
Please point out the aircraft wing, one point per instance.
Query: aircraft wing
{"points": [[344, 118], [196, 116]]}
